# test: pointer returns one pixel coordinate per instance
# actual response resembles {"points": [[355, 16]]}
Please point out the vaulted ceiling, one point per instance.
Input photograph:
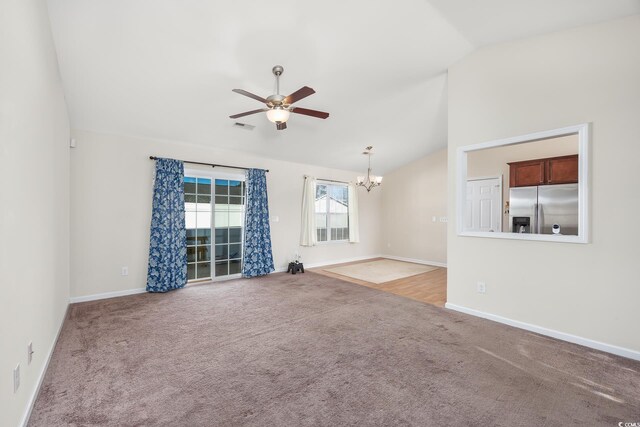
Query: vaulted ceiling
{"points": [[164, 69]]}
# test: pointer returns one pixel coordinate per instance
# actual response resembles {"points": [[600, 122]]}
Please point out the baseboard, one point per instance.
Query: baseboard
{"points": [[609, 348], [416, 261], [105, 295], [43, 371]]}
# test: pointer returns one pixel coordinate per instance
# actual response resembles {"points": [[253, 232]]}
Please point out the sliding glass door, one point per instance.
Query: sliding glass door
{"points": [[197, 204], [213, 207], [229, 217]]}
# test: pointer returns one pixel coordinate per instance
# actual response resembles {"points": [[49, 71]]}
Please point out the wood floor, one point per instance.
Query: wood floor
{"points": [[429, 287]]}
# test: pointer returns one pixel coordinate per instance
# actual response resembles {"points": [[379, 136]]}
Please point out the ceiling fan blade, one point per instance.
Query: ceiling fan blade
{"points": [[296, 96], [247, 113], [281, 126], [312, 113], [250, 95]]}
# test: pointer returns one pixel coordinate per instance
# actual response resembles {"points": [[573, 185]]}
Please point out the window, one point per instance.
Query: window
{"points": [[216, 205], [332, 212]]}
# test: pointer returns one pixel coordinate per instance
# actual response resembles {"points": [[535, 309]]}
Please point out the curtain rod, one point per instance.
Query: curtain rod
{"points": [[213, 165], [331, 180]]}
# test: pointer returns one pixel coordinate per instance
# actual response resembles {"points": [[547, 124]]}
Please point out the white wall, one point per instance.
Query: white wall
{"points": [[34, 171], [411, 197], [588, 74], [111, 192]]}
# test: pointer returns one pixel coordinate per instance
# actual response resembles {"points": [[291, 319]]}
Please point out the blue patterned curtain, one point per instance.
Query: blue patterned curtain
{"points": [[258, 259], [168, 243]]}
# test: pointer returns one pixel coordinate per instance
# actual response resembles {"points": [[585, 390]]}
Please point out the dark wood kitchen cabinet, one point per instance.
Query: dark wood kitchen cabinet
{"points": [[562, 170], [523, 174], [553, 170]]}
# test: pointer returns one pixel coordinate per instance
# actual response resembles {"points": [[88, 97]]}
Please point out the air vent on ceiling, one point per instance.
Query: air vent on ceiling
{"points": [[243, 126]]}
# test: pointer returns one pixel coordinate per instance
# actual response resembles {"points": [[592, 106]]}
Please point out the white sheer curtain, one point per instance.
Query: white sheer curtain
{"points": [[354, 230], [308, 232]]}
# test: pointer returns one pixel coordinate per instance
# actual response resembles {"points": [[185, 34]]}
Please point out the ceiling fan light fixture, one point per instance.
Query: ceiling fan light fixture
{"points": [[278, 115], [278, 107]]}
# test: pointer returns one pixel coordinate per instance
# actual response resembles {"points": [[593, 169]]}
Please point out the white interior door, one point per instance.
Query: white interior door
{"points": [[484, 205]]}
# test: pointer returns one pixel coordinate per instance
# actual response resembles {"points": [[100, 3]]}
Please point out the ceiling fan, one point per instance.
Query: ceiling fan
{"points": [[278, 107]]}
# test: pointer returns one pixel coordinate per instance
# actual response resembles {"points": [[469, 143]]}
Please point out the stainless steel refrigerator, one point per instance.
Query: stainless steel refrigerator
{"points": [[544, 209]]}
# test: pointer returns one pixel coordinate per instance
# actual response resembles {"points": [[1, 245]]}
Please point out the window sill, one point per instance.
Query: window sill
{"points": [[332, 242]]}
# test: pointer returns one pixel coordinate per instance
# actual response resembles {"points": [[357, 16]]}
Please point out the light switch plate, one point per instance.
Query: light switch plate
{"points": [[482, 287]]}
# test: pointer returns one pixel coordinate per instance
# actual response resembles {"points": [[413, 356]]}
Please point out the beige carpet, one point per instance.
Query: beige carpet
{"points": [[310, 350], [381, 271]]}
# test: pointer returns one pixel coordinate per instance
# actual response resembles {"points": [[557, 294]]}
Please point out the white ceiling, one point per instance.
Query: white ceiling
{"points": [[165, 68], [485, 22]]}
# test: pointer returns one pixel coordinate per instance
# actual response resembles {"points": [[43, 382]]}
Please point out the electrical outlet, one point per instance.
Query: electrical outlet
{"points": [[482, 287], [125, 271], [16, 378], [30, 353]]}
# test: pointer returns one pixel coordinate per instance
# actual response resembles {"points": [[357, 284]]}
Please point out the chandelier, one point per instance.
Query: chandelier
{"points": [[370, 180]]}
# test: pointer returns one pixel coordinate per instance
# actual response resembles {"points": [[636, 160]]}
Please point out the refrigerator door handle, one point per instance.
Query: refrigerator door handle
{"points": [[539, 215]]}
